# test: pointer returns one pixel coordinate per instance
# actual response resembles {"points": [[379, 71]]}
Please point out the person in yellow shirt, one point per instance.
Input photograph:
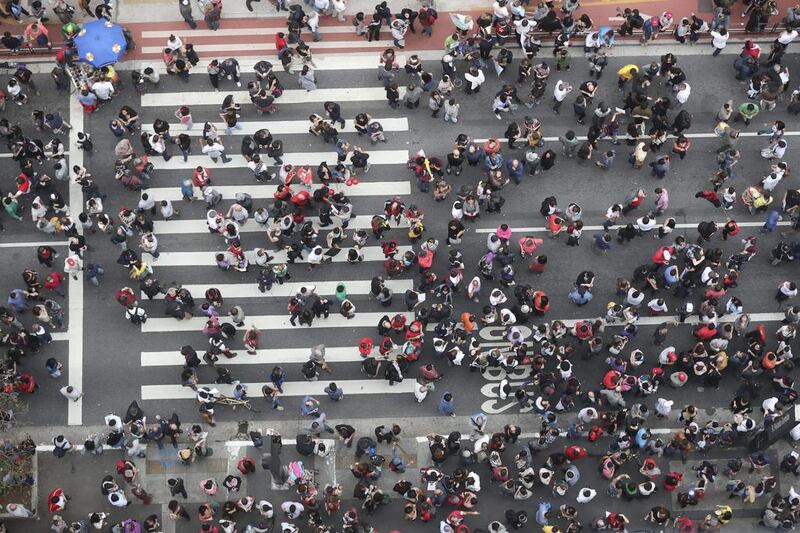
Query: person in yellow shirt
{"points": [[626, 73], [551, 529]]}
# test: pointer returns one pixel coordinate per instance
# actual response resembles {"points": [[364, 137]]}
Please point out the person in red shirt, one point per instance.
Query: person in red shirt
{"points": [[280, 43], [427, 18], [201, 177], [730, 228], [53, 283]]}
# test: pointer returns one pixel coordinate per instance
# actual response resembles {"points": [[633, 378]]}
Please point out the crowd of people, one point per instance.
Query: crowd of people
{"points": [[613, 415]]}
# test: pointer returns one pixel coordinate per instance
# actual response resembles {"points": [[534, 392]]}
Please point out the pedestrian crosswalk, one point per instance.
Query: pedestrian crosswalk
{"points": [[187, 250]]}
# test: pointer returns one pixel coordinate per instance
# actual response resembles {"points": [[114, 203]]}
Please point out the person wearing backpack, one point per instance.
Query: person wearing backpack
{"points": [[136, 315]]}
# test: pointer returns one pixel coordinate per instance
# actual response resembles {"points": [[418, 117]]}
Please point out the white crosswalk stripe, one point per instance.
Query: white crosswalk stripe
{"points": [[376, 157], [178, 227], [289, 127], [207, 258], [231, 32], [290, 388], [383, 189], [231, 49], [289, 96], [332, 62], [277, 356], [269, 322], [250, 290]]}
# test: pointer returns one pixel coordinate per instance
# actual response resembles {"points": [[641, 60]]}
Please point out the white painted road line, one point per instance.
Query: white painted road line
{"points": [[228, 192], [289, 96], [172, 259], [290, 388], [32, 244], [250, 290], [271, 322], [231, 49], [686, 134], [289, 127], [230, 32], [60, 336], [333, 62], [493, 336], [75, 287], [376, 157], [540, 229], [348, 354], [185, 227]]}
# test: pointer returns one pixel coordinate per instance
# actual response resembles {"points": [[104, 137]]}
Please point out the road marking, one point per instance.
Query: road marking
{"points": [[687, 135], [348, 354], [289, 96], [171, 259], [232, 48], [333, 62], [540, 229], [290, 388], [250, 290], [75, 287], [365, 188], [181, 227], [289, 127], [376, 157], [32, 244], [231, 32], [271, 322]]}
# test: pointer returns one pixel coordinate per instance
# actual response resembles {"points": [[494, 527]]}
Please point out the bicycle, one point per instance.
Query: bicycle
{"points": [[234, 403]]}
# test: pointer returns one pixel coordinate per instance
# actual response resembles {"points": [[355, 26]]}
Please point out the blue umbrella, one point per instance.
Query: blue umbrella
{"points": [[100, 43]]}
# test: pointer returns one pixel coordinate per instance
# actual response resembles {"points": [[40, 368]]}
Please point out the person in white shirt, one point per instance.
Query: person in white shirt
{"points": [[787, 36], [770, 181], [312, 21], [18, 510], [168, 210], [215, 151], [475, 78], [560, 92], [175, 45], [719, 39], [645, 224], [775, 150], [663, 407], [293, 510], [103, 90], [118, 499], [682, 92], [586, 495], [500, 10]]}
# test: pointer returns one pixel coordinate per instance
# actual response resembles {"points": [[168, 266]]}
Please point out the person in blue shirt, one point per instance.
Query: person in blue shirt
{"points": [[515, 169], [493, 161], [671, 275], [771, 224], [446, 406], [580, 297], [16, 299], [602, 242], [334, 392]]}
